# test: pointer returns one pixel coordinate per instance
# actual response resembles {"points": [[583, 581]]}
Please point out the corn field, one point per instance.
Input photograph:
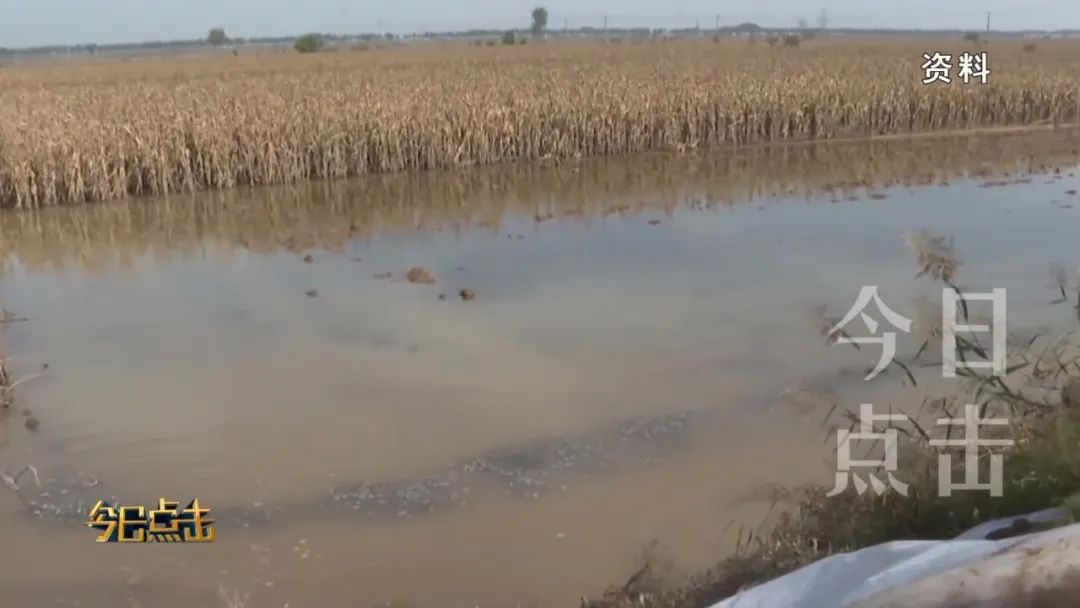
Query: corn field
{"points": [[107, 129]]}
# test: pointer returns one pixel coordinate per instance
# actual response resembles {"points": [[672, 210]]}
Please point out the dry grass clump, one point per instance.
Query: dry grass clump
{"points": [[120, 128], [936, 258], [8, 383]]}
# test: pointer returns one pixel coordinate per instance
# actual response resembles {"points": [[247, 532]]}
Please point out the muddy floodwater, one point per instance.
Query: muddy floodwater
{"points": [[598, 363]]}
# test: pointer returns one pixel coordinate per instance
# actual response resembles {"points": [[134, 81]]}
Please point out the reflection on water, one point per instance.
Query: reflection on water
{"points": [[273, 219], [635, 353]]}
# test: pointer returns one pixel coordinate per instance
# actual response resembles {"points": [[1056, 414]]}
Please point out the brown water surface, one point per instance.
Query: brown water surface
{"points": [[636, 362]]}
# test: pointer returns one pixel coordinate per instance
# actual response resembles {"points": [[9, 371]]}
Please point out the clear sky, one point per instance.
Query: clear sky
{"points": [[42, 22]]}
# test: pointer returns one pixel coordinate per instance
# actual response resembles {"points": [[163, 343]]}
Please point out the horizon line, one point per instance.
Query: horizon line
{"points": [[739, 28]]}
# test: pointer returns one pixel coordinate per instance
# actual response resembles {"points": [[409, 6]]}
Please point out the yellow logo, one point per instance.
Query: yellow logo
{"points": [[165, 524]]}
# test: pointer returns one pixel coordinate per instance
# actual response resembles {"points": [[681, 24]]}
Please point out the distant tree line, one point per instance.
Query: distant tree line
{"points": [[538, 27]]}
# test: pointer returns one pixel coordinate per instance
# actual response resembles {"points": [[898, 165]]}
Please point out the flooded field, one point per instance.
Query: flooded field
{"points": [[589, 364]]}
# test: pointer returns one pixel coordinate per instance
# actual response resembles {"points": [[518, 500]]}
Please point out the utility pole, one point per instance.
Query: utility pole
{"points": [[988, 22], [717, 23], [605, 25]]}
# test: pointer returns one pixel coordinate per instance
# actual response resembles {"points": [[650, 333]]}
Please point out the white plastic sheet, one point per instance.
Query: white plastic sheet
{"points": [[845, 580]]}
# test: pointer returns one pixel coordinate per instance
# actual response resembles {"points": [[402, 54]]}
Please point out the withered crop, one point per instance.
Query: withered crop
{"points": [[111, 128]]}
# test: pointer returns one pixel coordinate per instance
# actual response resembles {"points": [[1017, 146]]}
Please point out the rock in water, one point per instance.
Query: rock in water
{"points": [[419, 275]]}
